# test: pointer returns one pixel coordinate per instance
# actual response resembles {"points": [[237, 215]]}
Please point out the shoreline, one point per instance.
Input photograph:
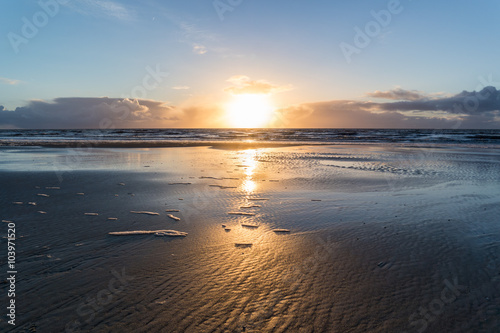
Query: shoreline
{"points": [[234, 144]]}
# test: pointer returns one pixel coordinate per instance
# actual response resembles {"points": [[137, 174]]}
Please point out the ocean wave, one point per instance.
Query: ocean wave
{"points": [[170, 137]]}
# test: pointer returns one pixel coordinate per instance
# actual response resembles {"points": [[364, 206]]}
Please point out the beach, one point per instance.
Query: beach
{"points": [[235, 166], [374, 237]]}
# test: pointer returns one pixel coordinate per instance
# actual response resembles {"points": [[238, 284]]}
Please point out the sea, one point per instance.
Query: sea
{"points": [[138, 137]]}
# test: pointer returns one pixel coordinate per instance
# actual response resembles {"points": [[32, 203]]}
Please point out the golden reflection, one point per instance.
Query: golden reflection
{"points": [[249, 186], [249, 161]]}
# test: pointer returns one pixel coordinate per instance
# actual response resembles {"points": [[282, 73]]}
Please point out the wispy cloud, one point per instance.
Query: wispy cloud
{"points": [[8, 81], [192, 32], [102, 8], [202, 41], [400, 94], [242, 84], [199, 49], [199, 39], [181, 88]]}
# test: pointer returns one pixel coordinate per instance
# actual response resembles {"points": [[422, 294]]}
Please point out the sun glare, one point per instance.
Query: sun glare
{"points": [[250, 111], [249, 159]]}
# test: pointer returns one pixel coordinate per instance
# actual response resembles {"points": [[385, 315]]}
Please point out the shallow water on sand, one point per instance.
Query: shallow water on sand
{"points": [[382, 239]]}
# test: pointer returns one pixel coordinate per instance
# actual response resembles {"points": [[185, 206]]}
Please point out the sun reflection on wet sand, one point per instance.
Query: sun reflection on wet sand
{"points": [[249, 159]]}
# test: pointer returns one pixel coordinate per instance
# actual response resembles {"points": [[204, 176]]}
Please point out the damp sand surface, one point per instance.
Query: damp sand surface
{"points": [[376, 234]]}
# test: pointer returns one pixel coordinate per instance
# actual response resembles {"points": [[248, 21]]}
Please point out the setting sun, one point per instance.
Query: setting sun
{"points": [[249, 111]]}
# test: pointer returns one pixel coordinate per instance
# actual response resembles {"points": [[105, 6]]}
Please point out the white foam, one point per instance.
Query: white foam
{"points": [[281, 230], [174, 217], [144, 212], [43, 195], [91, 214], [170, 233], [172, 210], [249, 225], [222, 187], [250, 206], [241, 213]]}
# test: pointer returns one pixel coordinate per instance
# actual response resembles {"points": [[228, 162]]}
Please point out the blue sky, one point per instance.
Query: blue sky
{"points": [[100, 48]]}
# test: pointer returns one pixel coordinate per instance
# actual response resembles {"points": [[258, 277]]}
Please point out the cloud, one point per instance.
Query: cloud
{"points": [[199, 49], [398, 94], [242, 84], [201, 113], [102, 8], [465, 110], [342, 114], [192, 32], [201, 41], [104, 112], [486, 100], [11, 82], [181, 88], [98, 112]]}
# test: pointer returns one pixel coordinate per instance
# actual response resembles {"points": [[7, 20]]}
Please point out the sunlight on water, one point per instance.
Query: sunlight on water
{"points": [[249, 186], [248, 159]]}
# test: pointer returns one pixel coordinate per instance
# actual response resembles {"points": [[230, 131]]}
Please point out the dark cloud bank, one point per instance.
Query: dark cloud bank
{"points": [[406, 109], [98, 112], [464, 110]]}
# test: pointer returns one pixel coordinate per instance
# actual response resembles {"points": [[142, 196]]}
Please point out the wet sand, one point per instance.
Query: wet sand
{"points": [[381, 239]]}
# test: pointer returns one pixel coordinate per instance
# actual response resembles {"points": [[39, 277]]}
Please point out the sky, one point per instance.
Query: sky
{"points": [[239, 63]]}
